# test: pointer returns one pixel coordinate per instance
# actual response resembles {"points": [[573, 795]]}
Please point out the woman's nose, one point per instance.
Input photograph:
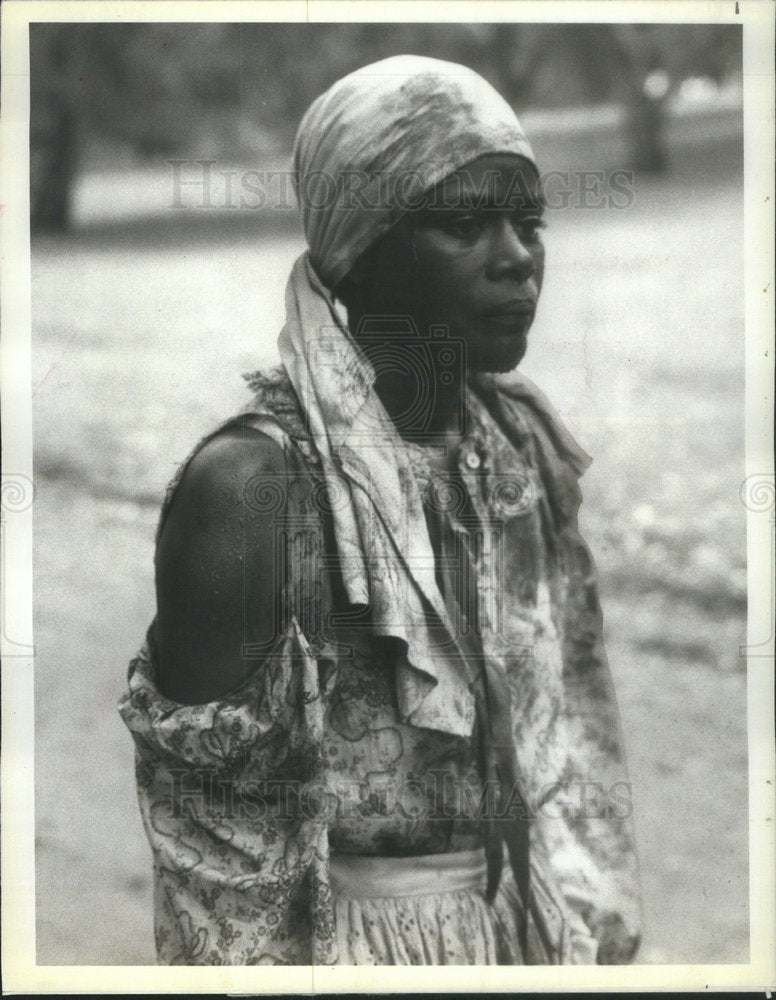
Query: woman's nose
{"points": [[510, 258]]}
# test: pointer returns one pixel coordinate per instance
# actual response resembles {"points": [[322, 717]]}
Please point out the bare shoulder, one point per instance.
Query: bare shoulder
{"points": [[215, 579], [224, 471]]}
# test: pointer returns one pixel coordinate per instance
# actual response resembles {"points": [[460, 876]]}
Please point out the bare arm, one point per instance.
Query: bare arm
{"points": [[216, 581]]}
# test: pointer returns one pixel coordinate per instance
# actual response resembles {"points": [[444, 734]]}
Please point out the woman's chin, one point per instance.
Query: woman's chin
{"points": [[498, 358]]}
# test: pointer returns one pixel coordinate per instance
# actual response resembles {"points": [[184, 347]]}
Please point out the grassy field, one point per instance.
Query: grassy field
{"points": [[140, 335]]}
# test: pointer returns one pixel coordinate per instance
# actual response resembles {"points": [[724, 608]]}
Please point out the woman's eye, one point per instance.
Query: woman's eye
{"points": [[465, 227], [530, 229]]}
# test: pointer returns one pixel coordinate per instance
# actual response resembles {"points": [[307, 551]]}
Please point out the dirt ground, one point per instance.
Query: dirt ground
{"points": [[140, 335]]}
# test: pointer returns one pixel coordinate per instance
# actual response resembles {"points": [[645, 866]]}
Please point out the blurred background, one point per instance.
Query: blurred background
{"points": [[150, 300]]}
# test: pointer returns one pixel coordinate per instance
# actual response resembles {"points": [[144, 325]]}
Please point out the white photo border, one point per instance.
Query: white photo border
{"points": [[20, 972]]}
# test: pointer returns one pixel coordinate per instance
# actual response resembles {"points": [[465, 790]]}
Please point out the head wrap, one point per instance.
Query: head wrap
{"points": [[379, 139]]}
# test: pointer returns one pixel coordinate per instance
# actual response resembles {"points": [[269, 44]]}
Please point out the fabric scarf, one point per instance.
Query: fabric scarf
{"points": [[384, 552]]}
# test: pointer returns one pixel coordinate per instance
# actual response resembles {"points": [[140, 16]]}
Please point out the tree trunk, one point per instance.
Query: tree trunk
{"points": [[52, 169], [644, 125]]}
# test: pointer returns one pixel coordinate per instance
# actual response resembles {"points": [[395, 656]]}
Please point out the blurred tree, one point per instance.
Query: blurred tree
{"points": [[170, 89], [640, 65], [635, 65], [150, 88]]}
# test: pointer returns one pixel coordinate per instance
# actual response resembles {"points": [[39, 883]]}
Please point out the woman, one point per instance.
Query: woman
{"points": [[373, 717]]}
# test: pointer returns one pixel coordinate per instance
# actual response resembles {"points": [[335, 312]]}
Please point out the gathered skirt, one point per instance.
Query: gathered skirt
{"points": [[432, 910]]}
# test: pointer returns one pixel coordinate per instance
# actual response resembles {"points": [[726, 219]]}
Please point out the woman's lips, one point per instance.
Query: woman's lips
{"points": [[513, 310], [512, 316]]}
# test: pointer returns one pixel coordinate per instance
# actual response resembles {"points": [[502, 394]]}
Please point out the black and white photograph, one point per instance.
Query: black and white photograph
{"points": [[388, 477]]}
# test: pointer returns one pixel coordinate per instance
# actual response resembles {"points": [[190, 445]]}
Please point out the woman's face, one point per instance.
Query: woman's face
{"points": [[469, 259]]}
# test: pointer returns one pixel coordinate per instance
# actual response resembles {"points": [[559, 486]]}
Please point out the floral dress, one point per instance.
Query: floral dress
{"points": [[275, 814]]}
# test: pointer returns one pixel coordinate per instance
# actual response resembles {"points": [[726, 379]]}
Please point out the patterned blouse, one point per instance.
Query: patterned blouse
{"points": [[246, 798]]}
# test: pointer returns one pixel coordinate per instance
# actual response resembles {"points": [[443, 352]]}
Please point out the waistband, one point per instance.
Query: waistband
{"points": [[363, 876]]}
